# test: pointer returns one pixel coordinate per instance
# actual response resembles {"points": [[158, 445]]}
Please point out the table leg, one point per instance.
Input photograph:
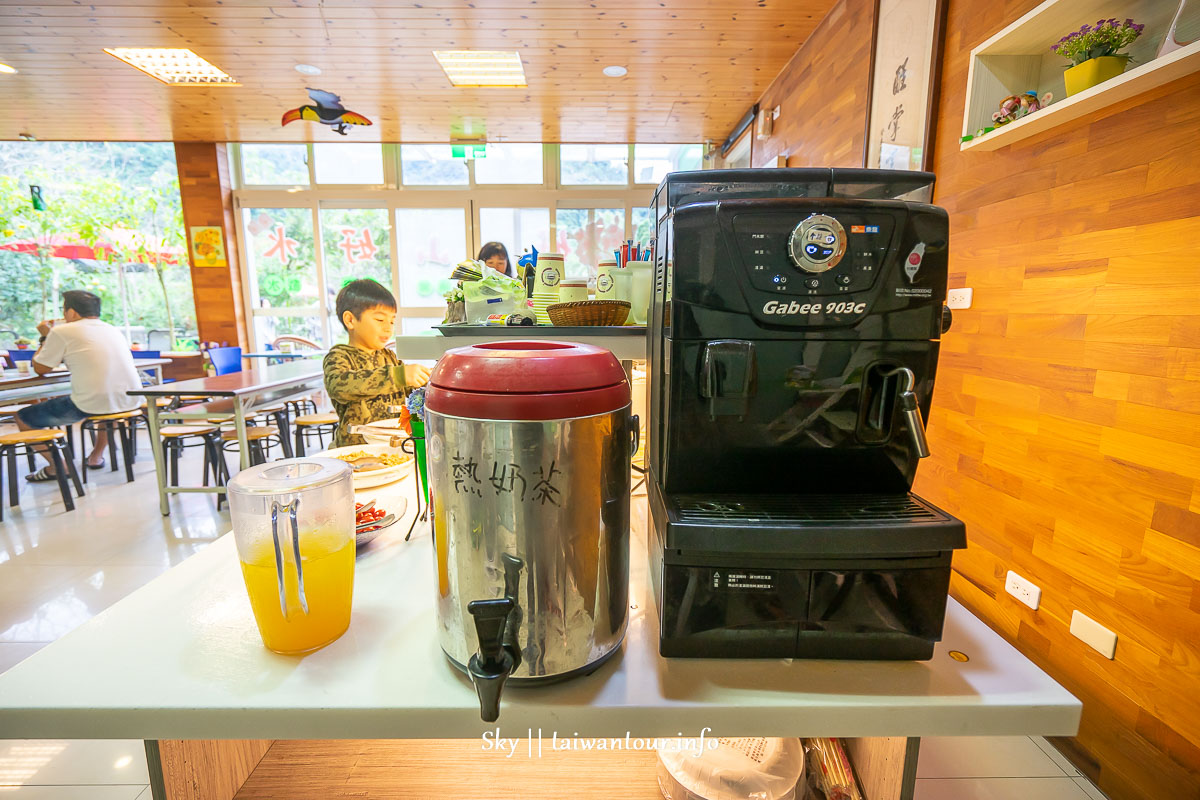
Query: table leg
{"points": [[155, 450], [239, 419]]}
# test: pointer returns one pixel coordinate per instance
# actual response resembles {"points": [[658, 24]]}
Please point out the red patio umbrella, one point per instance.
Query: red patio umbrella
{"points": [[58, 246]]}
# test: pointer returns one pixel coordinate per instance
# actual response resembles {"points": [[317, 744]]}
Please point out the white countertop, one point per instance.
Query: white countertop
{"points": [[181, 658]]}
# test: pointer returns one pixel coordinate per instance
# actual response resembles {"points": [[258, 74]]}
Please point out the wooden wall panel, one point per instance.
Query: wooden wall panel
{"points": [[205, 191], [822, 94], [1065, 427]]}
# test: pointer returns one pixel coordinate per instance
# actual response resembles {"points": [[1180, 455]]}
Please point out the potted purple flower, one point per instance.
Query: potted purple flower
{"points": [[1095, 52]]}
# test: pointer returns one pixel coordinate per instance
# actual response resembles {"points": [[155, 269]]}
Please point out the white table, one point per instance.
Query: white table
{"points": [[256, 386], [182, 659]]}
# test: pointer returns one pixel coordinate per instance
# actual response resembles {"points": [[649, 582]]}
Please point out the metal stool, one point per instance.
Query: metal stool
{"points": [[281, 416], [314, 425], [174, 440], [121, 422], [258, 439], [55, 442]]}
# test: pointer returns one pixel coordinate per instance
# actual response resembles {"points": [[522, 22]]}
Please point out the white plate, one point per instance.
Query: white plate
{"points": [[374, 477]]}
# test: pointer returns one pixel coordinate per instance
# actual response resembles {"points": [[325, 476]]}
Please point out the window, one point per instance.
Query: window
{"points": [[430, 241], [274, 164], [517, 229], [280, 247], [355, 244], [652, 162], [432, 165], [643, 225], [348, 163], [594, 164], [588, 235], [509, 164]]}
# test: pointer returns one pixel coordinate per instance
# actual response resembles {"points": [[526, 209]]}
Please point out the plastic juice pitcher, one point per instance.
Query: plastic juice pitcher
{"points": [[293, 521]]}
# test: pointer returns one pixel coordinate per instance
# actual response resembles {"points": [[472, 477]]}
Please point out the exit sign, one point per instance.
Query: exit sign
{"points": [[468, 151]]}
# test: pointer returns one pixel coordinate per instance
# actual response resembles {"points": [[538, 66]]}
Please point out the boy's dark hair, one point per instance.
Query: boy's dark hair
{"points": [[362, 295], [85, 304], [496, 249]]}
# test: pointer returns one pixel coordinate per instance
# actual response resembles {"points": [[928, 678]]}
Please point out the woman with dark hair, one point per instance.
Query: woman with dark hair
{"points": [[495, 255]]}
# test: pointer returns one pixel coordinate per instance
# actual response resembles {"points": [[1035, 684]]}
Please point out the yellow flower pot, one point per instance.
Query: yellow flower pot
{"points": [[1092, 72]]}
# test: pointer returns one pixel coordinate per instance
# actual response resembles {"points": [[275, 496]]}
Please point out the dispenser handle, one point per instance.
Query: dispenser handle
{"points": [[490, 618], [491, 666], [636, 434]]}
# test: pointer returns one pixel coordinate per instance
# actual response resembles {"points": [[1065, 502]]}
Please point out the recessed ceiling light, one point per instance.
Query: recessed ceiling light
{"points": [[5, 68], [615, 71], [173, 66], [482, 67], [308, 69]]}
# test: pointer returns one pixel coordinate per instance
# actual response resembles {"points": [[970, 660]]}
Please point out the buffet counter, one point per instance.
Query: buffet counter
{"points": [[181, 659]]}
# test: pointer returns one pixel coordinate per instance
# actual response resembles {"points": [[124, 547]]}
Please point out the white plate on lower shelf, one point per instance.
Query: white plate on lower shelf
{"points": [[375, 477]]}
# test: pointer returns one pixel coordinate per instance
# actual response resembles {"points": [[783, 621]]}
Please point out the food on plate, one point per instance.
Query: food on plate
{"points": [[362, 461], [364, 517]]}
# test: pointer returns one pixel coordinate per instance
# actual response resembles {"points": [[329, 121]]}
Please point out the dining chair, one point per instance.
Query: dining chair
{"points": [[226, 360]]}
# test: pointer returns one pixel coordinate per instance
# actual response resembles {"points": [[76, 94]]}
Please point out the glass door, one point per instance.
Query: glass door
{"points": [[429, 242], [355, 243], [285, 287]]}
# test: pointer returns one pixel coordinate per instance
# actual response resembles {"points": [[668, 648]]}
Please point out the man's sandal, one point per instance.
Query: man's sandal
{"points": [[41, 476]]}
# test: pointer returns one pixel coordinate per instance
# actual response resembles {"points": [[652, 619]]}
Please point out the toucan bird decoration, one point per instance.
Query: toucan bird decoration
{"points": [[327, 111]]}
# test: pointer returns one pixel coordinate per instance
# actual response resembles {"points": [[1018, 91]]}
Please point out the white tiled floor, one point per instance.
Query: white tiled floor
{"points": [[58, 569]]}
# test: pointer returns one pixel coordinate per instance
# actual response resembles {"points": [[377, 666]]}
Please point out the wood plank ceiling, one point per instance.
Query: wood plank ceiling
{"points": [[695, 66]]}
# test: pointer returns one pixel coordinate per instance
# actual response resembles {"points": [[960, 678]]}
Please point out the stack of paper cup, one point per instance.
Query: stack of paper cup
{"points": [[606, 287], [640, 289], [550, 272]]}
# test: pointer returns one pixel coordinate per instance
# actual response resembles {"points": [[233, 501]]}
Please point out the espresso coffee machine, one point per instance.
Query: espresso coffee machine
{"points": [[793, 345]]}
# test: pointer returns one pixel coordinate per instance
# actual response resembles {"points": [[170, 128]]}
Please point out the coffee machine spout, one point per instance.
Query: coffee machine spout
{"points": [[491, 666], [911, 410]]}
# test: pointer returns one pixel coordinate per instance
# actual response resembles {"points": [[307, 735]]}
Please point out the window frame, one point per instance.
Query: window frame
{"points": [[393, 195]]}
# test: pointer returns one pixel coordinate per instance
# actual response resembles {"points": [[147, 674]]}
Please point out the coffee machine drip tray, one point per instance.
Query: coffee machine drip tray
{"points": [[800, 576], [780, 524]]}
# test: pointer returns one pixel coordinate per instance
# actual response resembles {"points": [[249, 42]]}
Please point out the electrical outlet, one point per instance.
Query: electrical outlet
{"points": [[1093, 634], [958, 298], [1023, 589]]}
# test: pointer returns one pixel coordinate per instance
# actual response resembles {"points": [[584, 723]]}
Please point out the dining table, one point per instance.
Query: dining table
{"points": [[18, 387], [255, 387]]}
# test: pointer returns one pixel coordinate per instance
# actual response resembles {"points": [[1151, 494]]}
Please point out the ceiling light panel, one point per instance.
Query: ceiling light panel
{"points": [[173, 66], [482, 67]]}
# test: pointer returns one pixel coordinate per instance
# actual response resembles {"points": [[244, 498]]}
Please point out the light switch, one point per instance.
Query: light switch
{"points": [[1087, 630]]}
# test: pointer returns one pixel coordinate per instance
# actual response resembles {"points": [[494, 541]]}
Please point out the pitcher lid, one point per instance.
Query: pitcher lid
{"points": [[289, 475]]}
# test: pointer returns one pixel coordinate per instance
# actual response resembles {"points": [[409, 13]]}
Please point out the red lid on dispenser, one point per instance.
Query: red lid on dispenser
{"points": [[527, 380]]}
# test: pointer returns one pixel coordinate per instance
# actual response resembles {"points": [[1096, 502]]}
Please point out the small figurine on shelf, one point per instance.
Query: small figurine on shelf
{"points": [[1015, 106]]}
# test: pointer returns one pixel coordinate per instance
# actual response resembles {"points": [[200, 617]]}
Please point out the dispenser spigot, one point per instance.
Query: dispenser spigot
{"points": [[911, 410], [491, 666]]}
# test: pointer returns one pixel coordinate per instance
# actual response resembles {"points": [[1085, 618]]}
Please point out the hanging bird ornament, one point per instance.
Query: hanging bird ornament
{"points": [[327, 111]]}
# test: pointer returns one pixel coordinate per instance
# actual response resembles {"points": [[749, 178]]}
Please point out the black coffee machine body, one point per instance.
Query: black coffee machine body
{"points": [[793, 347]]}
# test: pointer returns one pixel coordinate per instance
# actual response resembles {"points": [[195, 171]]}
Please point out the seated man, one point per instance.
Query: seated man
{"points": [[101, 367]]}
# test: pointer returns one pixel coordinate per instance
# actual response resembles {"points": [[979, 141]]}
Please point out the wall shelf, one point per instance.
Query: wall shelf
{"points": [[1018, 58]]}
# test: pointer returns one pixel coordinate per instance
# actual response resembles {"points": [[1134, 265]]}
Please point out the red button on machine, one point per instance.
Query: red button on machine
{"points": [[914, 259]]}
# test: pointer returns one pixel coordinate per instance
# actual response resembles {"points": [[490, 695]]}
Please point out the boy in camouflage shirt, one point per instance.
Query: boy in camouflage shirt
{"points": [[363, 378]]}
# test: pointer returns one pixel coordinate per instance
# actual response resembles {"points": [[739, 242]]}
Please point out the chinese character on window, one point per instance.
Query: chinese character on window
{"points": [[357, 249]]}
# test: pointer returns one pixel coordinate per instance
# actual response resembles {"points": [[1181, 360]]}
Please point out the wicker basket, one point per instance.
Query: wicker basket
{"points": [[589, 312]]}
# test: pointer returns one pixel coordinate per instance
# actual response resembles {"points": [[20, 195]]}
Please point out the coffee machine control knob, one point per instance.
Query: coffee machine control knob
{"points": [[818, 243]]}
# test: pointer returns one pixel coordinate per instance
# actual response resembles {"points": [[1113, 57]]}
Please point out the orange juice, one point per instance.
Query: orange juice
{"points": [[328, 562]]}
